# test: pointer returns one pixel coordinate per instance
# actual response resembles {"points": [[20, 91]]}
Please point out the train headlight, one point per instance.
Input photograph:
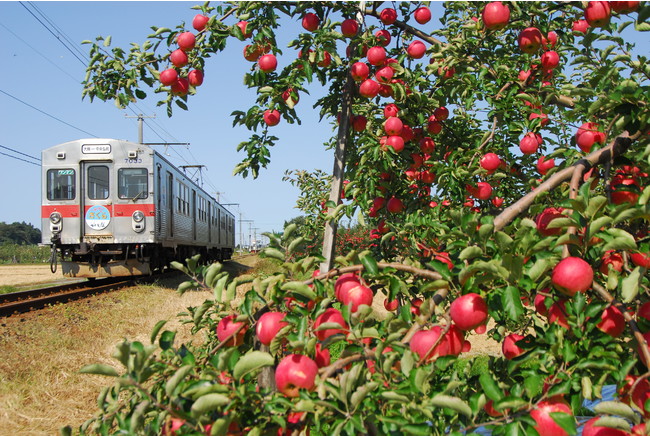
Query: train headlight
{"points": [[55, 217], [138, 216]]}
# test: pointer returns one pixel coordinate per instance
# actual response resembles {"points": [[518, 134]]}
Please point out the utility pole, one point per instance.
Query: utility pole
{"points": [[140, 118], [241, 232]]}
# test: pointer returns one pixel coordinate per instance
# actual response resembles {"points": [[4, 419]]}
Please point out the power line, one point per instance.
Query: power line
{"points": [[41, 54], [17, 158], [19, 152], [72, 44], [53, 34], [45, 113]]}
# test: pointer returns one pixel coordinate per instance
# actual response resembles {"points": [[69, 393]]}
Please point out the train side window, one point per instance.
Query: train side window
{"points": [[98, 182], [61, 184], [133, 183]]}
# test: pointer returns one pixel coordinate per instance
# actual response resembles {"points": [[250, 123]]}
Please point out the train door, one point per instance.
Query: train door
{"points": [[96, 199], [159, 199], [194, 215], [170, 204]]}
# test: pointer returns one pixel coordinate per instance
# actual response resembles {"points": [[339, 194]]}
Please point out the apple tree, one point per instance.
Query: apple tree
{"points": [[499, 155]]}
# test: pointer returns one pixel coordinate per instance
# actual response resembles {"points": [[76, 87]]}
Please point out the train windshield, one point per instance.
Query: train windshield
{"points": [[132, 183], [60, 184], [98, 182]]}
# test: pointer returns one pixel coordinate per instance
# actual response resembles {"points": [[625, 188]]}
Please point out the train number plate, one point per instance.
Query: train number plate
{"points": [[96, 149], [98, 238]]}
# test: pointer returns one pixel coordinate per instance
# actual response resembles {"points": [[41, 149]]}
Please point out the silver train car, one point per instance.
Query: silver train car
{"points": [[116, 208]]}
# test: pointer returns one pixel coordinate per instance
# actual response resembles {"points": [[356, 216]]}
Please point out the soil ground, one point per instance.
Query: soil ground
{"points": [[42, 351]]}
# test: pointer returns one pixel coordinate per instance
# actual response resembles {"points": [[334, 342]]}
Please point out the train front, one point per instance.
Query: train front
{"points": [[97, 207]]}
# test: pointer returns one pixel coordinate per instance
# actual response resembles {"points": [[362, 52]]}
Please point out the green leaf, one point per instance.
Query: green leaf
{"points": [[174, 380], [622, 240], [615, 408], [208, 403], [211, 274], [252, 361], [450, 402], [394, 396], [630, 285], [156, 329], [299, 288], [470, 252], [273, 253], [416, 429], [511, 301], [613, 422], [99, 369], [107, 41], [490, 387], [407, 363], [179, 266], [369, 262], [538, 269], [566, 421]]}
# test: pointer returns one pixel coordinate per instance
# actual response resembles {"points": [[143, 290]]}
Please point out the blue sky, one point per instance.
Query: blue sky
{"points": [[41, 72]]}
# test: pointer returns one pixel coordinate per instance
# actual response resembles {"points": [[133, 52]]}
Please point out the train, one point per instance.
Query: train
{"points": [[116, 208]]}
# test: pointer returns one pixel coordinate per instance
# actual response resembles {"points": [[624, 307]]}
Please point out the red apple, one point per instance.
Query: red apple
{"points": [[545, 218], [330, 315], [290, 95], [268, 63], [434, 127], [271, 117], [186, 41], [640, 259], [530, 143], [226, 327], [469, 311], [384, 74], [587, 135], [326, 61], [393, 126], [391, 110], [345, 282], [624, 7], [349, 28], [490, 161], [580, 26], [550, 41], [571, 275], [388, 16], [423, 340], [542, 117], [322, 356], [416, 49], [178, 58], [200, 22], [369, 88], [195, 77], [497, 201], [591, 429], [530, 40], [359, 123], [598, 13], [168, 77], [613, 259], [427, 145], [359, 71], [395, 141], [422, 15], [356, 296], [181, 86], [376, 55], [441, 113], [310, 21], [395, 205], [252, 52], [295, 372], [243, 26], [612, 322], [383, 37], [269, 325], [639, 430], [550, 60], [391, 305], [509, 347], [543, 166], [495, 15], [546, 426]]}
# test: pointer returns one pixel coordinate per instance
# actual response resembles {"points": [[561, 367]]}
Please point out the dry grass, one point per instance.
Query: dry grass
{"points": [[40, 389]]}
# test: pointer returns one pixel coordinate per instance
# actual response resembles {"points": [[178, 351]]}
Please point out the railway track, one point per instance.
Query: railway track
{"points": [[24, 301]]}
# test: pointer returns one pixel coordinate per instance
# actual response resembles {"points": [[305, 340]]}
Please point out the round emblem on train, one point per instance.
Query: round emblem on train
{"points": [[98, 217]]}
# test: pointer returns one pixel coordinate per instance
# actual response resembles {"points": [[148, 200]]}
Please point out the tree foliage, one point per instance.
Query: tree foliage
{"points": [[439, 220]]}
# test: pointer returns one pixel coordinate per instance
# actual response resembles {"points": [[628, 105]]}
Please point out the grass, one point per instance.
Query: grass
{"points": [[40, 389], [8, 289]]}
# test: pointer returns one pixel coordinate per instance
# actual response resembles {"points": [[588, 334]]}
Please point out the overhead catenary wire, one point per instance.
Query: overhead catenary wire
{"points": [[20, 152], [45, 113], [75, 46], [18, 158], [57, 37]]}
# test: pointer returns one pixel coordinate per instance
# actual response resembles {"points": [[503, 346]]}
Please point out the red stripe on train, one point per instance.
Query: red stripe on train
{"points": [[72, 210]]}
